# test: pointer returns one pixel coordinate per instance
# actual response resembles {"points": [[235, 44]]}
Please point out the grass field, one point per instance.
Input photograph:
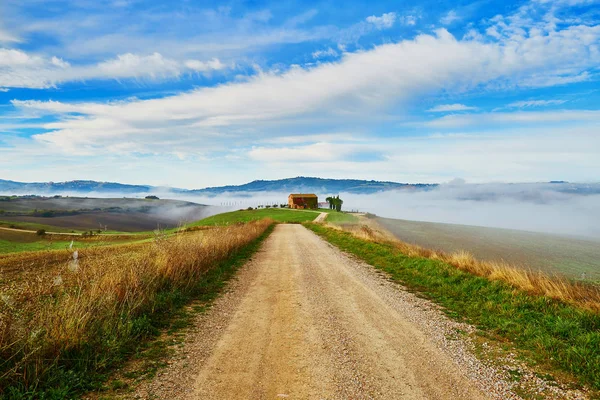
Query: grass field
{"points": [[70, 325], [538, 251], [66, 214], [242, 216], [335, 217], [550, 334]]}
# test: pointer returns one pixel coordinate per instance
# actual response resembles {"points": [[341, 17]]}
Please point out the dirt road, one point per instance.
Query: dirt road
{"points": [[321, 217], [304, 321]]}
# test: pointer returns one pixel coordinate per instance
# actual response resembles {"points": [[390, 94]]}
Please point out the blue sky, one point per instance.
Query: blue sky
{"points": [[193, 94]]}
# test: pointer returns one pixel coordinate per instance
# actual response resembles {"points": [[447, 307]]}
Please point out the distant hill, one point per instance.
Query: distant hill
{"points": [[9, 187], [298, 184], [308, 184]]}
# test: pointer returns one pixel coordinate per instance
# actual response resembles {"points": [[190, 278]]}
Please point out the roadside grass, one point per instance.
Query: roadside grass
{"points": [[243, 216], [556, 335], [63, 335]]}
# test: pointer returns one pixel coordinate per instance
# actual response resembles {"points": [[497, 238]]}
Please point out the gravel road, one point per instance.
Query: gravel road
{"points": [[305, 321]]}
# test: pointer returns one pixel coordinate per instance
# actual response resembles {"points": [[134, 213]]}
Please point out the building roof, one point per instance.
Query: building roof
{"points": [[302, 195]]}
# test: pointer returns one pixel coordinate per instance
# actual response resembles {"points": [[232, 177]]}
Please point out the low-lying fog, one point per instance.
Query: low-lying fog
{"points": [[534, 207], [529, 207]]}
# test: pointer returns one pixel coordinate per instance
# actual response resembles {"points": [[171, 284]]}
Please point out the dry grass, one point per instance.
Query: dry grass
{"points": [[580, 294], [71, 304]]}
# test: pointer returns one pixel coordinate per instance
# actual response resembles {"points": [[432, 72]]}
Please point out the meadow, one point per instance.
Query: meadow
{"points": [[574, 257], [15, 241], [243, 216], [66, 214], [73, 319]]}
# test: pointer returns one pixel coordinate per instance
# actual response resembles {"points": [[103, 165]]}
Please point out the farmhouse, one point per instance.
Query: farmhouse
{"points": [[302, 201]]}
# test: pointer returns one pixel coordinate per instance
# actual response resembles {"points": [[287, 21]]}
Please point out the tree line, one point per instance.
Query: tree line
{"points": [[335, 203]]}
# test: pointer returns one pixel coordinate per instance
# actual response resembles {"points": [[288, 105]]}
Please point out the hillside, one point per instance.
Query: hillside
{"points": [[307, 184], [83, 213]]}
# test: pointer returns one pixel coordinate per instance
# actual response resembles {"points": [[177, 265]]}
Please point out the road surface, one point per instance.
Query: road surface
{"points": [[321, 217], [304, 321]]}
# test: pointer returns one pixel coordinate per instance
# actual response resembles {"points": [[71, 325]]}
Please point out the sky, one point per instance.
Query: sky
{"points": [[199, 93]]}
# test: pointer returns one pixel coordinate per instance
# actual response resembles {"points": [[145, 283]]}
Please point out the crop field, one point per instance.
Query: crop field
{"points": [[573, 257], [65, 214]]}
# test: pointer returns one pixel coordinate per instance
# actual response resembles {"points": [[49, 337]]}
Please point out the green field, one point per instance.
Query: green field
{"points": [[276, 214], [66, 214], [33, 226], [335, 217], [15, 241], [539, 251]]}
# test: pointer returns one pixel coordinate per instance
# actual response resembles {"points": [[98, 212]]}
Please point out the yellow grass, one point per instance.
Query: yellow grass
{"points": [[68, 303], [580, 294]]}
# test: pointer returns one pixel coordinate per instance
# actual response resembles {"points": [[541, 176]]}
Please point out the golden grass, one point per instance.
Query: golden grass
{"points": [[580, 294], [71, 302]]}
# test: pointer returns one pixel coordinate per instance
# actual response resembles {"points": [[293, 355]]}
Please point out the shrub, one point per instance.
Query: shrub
{"points": [[40, 232]]}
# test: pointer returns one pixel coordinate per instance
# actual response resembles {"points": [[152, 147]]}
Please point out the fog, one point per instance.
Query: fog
{"points": [[559, 209], [531, 207]]}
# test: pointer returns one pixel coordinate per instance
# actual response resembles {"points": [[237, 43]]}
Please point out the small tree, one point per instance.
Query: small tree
{"points": [[330, 201]]}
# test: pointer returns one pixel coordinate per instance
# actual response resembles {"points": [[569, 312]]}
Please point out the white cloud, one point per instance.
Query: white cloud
{"points": [[17, 58], [132, 65], [359, 87], [329, 52], [451, 107], [358, 90], [59, 62], [519, 117], [319, 152], [199, 66], [409, 20], [386, 20], [19, 69], [450, 18], [535, 103]]}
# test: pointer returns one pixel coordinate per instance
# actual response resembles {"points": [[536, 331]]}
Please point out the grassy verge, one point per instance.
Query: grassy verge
{"points": [[60, 339], [276, 214], [554, 335]]}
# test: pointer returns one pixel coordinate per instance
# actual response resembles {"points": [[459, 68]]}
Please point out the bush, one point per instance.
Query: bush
{"points": [[250, 209], [40, 232]]}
